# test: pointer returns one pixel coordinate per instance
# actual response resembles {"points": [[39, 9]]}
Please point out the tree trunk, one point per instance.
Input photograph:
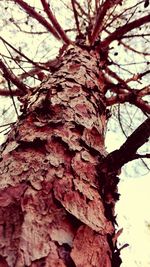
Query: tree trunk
{"points": [[57, 206]]}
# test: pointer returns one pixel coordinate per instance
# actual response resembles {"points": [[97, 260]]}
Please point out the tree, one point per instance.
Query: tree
{"points": [[58, 183]]}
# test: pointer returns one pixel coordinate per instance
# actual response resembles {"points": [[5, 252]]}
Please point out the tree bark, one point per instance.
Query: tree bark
{"points": [[56, 206]]}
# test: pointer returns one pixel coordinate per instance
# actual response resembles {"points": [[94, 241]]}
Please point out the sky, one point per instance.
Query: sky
{"points": [[134, 216]]}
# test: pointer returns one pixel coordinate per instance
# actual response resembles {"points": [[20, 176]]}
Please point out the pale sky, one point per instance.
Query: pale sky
{"points": [[134, 215]]}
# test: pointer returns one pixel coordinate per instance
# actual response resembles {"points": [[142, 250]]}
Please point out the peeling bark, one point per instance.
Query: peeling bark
{"points": [[56, 206]]}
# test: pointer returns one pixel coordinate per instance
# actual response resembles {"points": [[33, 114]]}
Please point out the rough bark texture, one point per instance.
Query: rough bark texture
{"points": [[56, 207]]}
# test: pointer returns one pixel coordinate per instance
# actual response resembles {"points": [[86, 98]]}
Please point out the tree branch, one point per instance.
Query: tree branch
{"points": [[103, 9], [12, 97], [137, 77], [132, 97], [117, 35], [30, 10], [82, 10], [21, 54], [144, 91], [143, 105], [5, 92], [76, 16], [10, 76], [55, 23], [115, 76], [139, 156], [127, 152], [134, 50]]}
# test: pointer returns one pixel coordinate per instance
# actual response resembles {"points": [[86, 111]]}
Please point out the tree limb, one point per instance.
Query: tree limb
{"points": [[21, 54], [127, 152], [139, 156], [38, 17], [103, 9], [144, 91], [5, 92], [10, 76], [117, 35], [76, 16], [132, 97], [55, 23], [137, 77]]}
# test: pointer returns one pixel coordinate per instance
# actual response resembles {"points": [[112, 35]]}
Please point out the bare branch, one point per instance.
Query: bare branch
{"points": [[21, 54], [5, 92], [117, 35], [9, 76], [76, 16], [132, 97], [143, 105], [12, 97], [138, 76], [81, 9], [7, 124], [117, 78], [96, 5], [139, 156], [134, 50], [146, 3], [116, 159], [103, 9], [123, 13], [135, 35], [30, 10], [55, 23], [144, 91]]}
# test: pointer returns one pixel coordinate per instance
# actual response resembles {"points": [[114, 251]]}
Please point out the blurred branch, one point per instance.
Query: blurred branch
{"points": [[138, 76], [10, 76], [132, 97], [55, 23], [146, 3], [21, 54], [76, 16], [138, 156], [117, 35], [81, 9], [144, 91], [123, 13], [103, 9], [6, 92], [30, 10], [96, 5], [7, 124], [127, 152], [12, 97], [135, 35], [49, 66], [114, 75], [34, 71], [134, 50]]}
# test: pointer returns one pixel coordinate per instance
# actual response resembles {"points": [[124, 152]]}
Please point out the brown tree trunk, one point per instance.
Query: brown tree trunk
{"points": [[56, 205]]}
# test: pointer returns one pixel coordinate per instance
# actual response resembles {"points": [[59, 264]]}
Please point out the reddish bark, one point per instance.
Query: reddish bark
{"points": [[55, 209]]}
